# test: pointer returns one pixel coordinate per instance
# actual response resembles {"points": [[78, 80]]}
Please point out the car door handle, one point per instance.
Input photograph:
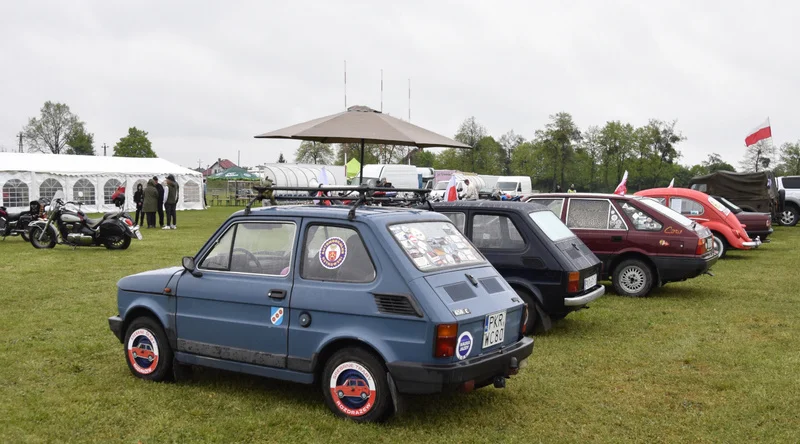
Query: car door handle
{"points": [[277, 294], [616, 238]]}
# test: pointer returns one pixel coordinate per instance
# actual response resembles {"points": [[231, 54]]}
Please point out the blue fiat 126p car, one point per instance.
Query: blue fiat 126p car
{"points": [[370, 305]]}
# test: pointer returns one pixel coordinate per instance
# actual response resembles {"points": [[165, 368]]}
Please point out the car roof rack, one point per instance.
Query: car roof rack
{"points": [[358, 195]]}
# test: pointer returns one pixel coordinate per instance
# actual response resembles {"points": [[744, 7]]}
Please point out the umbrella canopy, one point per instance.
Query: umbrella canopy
{"points": [[234, 173], [365, 125]]}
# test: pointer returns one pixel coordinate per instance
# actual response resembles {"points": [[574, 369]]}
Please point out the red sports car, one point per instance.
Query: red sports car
{"points": [[353, 387], [700, 207]]}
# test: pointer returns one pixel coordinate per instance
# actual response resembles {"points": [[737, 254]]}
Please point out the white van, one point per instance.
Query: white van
{"points": [[400, 176], [514, 185]]}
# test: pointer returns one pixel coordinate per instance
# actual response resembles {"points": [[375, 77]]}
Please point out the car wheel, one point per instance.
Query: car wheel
{"points": [[632, 277], [789, 216], [720, 246], [146, 331], [357, 363], [534, 323]]}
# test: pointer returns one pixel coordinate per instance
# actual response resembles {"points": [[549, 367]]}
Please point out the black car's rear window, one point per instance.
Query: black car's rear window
{"points": [[434, 245]]}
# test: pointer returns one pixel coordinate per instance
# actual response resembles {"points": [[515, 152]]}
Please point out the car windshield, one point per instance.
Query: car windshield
{"points": [[674, 215], [441, 185], [718, 205], [551, 225], [435, 245], [506, 186], [735, 208]]}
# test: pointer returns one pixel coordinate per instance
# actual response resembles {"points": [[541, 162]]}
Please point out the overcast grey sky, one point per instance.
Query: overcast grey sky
{"points": [[204, 77]]}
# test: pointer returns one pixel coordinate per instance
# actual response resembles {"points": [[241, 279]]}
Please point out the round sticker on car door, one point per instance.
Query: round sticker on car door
{"points": [[464, 345], [332, 253]]}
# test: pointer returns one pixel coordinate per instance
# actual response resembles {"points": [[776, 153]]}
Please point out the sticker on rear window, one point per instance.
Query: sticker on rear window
{"points": [[434, 245], [332, 253]]}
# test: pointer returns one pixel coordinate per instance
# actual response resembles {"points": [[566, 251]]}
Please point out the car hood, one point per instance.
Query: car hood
{"points": [[153, 281]]}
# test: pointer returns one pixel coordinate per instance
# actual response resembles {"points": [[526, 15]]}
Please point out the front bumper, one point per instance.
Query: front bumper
{"points": [[115, 324], [578, 301], [416, 378]]}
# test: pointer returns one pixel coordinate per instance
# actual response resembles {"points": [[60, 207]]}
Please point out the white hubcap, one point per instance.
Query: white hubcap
{"points": [[632, 279], [787, 217]]}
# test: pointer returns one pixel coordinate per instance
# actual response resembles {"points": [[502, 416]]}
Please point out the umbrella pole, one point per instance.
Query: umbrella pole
{"points": [[361, 172]]}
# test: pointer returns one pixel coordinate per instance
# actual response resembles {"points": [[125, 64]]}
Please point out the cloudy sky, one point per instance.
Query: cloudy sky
{"points": [[204, 77]]}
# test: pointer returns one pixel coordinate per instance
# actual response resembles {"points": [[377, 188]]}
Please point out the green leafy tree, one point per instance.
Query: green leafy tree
{"points": [[314, 152], [592, 149], [470, 133], [80, 142], [509, 141], [617, 140], [560, 135], [715, 163], [422, 158], [135, 144], [281, 159], [51, 131], [451, 159], [790, 159], [353, 151]]}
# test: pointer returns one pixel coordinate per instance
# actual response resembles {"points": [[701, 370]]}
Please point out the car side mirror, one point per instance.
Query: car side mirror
{"points": [[189, 265]]}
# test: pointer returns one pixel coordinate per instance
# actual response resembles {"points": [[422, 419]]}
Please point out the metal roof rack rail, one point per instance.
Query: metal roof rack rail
{"points": [[357, 196]]}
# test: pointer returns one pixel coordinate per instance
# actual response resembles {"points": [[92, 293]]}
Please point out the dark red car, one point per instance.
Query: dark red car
{"points": [[757, 225], [641, 243]]}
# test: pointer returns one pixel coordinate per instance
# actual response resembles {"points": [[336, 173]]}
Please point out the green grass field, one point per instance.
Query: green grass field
{"points": [[714, 359]]}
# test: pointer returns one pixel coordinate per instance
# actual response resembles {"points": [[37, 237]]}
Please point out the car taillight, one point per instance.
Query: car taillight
{"points": [[523, 328], [574, 282], [701, 247], [445, 340], [769, 222]]}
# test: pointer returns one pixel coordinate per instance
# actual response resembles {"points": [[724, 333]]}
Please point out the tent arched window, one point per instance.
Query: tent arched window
{"points": [[191, 192], [87, 188], [15, 193], [109, 189], [49, 188]]}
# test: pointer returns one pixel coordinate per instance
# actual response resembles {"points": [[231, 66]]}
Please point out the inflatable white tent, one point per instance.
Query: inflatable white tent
{"points": [[30, 176]]}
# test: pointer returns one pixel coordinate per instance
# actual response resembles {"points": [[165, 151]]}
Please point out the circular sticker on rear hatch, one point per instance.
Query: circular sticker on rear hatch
{"points": [[463, 345]]}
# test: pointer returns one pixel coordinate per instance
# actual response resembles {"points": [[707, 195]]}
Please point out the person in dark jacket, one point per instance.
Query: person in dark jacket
{"points": [[160, 209], [171, 203], [138, 199], [150, 203]]}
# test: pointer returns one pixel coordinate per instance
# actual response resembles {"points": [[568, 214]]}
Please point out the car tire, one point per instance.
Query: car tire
{"points": [[356, 362], [789, 216], [147, 330], [632, 278], [720, 245], [534, 323]]}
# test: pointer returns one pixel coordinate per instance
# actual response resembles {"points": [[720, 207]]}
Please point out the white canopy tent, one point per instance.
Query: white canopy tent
{"points": [[30, 176]]}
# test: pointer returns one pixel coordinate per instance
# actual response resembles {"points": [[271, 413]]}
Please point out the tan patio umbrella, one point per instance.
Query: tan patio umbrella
{"points": [[365, 125]]}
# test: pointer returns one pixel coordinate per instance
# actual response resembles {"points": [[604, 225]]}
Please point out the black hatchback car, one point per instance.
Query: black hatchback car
{"points": [[548, 266]]}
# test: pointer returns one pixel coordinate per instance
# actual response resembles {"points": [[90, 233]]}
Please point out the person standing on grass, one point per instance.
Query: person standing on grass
{"points": [[171, 203], [138, 198], [205, 191], [150, 203], [160, 203]]}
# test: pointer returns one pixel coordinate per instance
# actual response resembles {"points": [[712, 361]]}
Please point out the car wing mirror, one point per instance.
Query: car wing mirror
{"points": [[190, 266]]}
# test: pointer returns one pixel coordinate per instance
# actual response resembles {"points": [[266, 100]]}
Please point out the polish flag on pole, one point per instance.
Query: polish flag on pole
{"points": [[622, 188], [763, 131], [671, 183], [451, 194]]}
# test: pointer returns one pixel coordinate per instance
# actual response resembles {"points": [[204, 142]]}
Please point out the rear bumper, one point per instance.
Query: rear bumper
{"points": [[416, 378], [578, 301], [115, 324], [673, 269]]}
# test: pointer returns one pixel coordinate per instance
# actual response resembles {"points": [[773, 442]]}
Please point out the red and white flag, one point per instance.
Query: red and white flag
{"points": [[451, 194], [671, 183], [622, 188], [763, 131]]}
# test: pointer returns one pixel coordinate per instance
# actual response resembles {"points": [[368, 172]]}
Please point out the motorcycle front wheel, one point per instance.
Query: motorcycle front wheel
{"points": [[48, 237], [118, 243]]}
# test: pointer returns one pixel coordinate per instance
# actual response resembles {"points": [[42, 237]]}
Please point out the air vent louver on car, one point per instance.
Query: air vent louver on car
{"points": [[396, 304], [459, 292], [492, 285]]}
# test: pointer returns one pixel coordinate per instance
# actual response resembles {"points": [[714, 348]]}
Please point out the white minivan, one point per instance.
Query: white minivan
{"points": [[400, 176], [514, 185]]}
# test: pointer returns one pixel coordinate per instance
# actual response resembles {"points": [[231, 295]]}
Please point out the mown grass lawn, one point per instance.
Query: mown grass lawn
{"points": [[714, 359]]}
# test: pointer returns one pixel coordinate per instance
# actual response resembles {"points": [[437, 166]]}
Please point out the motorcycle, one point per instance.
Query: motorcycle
{"points": [[18, 224], [66, 224]]}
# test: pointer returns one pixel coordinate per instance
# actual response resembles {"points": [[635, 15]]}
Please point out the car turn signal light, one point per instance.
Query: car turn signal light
{"points": [[445, 340], [701, 247], [523, 328], [737, 233], [574, 282]]}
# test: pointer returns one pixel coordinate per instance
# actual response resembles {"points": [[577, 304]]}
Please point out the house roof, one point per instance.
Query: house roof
{"points": [[222, 163]]}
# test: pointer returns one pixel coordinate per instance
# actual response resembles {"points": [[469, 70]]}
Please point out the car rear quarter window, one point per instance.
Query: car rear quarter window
{"points": [[719, 206], [336, 254], [641, 220], [432, 246], [590, 214], [554, 205], [687, 207], [551, 225], [458, 219], [496, 231]]}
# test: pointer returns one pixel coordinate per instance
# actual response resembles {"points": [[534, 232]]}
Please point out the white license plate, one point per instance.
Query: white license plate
{"points": [[138, 235], [494, 329], [590, 282]]}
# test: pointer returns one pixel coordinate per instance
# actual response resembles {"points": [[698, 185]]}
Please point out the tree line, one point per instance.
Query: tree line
{"points": [[57, 130], [561, 154]]}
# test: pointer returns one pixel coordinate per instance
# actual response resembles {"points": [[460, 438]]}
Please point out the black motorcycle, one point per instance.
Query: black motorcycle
{"points": [[18, 224], [66, 224]]}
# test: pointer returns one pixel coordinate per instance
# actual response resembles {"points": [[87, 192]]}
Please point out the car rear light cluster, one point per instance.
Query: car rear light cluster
{"points": [[701, 247], [574, 282], [524, 324], [446, 336]]}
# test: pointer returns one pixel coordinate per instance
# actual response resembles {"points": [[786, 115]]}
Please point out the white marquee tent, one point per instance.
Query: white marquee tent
{"points": [[30, 176]]}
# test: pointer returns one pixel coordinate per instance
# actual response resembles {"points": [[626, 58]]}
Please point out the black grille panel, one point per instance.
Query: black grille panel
{"points": [[395, 304], [492, 285], [459, 292]]}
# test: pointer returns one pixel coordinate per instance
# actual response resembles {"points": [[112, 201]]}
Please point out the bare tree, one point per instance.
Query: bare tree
{"points": [[51, 131], [757, 157]]}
